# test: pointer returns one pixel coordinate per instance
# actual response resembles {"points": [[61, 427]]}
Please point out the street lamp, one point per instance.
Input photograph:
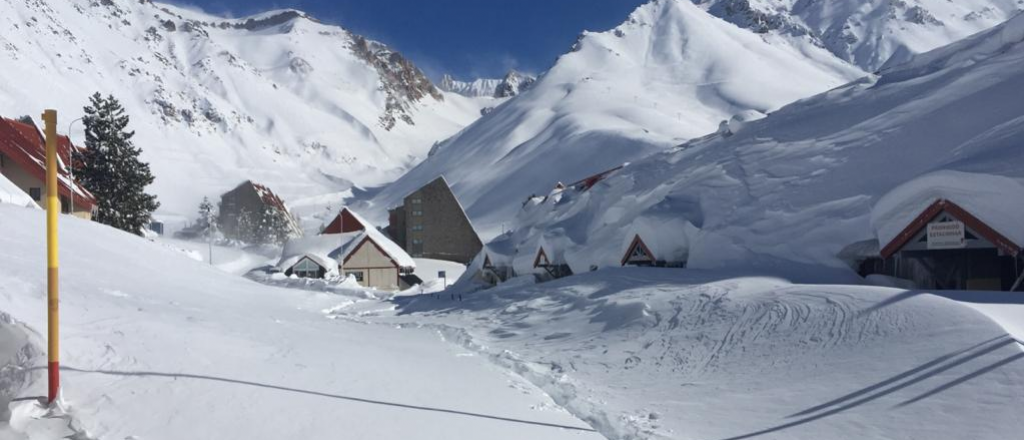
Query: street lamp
{"points": [[71, 166]]}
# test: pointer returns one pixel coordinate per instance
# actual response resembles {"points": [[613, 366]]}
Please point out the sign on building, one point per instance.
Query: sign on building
{"points": [[946, 235]]}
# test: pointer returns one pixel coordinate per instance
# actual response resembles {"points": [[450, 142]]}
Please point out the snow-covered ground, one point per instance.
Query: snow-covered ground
{"points": [[231, 259], [157, 345], [688, 354]]}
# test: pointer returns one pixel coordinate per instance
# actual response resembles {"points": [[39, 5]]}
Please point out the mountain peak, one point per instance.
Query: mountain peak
{"points": [[512, 84]]}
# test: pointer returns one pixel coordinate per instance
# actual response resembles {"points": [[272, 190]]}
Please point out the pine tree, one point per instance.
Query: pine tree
{"points": [[271, 227], [207, 218], [110, 167]]}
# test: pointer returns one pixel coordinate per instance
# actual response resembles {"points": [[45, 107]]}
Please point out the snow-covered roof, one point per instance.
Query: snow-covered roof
{"points": [[322, 249], [664, 236], [391, 248], [330, 249], [23, 143], [402, 258], [995, 200]]}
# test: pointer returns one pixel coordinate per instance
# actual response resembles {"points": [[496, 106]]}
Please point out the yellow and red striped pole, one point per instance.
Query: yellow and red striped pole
{"points": [[52, 211]]}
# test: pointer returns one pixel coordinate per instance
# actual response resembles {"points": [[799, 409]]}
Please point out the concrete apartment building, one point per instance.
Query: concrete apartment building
{"points": [[251, 197], [432, 224]]}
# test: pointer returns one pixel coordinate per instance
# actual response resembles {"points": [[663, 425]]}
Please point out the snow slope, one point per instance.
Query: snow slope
{"points": [[690, 354], [304, 107], [670, 72], [868, 33], [156, 345], [800, 185]]}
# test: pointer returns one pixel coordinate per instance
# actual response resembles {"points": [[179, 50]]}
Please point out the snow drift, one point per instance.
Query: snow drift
{"points": [[799, 186]]}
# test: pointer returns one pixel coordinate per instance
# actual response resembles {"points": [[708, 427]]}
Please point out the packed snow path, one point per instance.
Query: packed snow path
{"points": [[159, 346], [688, 354]]}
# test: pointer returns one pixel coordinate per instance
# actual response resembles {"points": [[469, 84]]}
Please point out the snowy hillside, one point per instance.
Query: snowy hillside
{"points": [[868, 33], [802, 184], [303, 107], [670, 72], [511, 85]]}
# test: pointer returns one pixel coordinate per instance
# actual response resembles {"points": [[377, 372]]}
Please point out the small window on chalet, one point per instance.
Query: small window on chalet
{"points": [[306, 269], [65, 205], [36, 193], [416, 201], [417, 213], [639, 253], [1, 160], [417, 227], [358, 274], [417, 241]]}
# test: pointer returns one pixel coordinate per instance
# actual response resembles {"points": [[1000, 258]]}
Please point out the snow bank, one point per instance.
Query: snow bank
{"points": [[664, 354], [996, 200], [789, 192], [11, 194]]}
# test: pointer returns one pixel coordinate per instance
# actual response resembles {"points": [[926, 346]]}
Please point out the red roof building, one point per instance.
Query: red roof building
{"points": [[23, 162], [948, 247]]}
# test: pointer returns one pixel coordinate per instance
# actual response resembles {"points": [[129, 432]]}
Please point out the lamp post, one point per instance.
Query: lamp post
{"points": [[71, 165]]}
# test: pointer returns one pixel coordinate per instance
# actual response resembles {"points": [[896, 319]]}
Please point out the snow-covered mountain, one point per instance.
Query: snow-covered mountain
{"points": [[818, 175], [302, 106], [670, 72], [511, 85], [868, 33]]}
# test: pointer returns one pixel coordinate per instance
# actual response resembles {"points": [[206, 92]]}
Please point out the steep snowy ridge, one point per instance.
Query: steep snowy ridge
{"points": [[668, 73], [868, 33], [304, 107], [800, 185], [512, 84]]}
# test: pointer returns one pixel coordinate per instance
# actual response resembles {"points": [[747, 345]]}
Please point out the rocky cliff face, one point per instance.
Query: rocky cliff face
{"points": [[401, 80]]}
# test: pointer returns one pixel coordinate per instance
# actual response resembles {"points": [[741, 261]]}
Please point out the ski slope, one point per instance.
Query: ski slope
{"points": [[670, 72], [157, 345], [689, 354]]}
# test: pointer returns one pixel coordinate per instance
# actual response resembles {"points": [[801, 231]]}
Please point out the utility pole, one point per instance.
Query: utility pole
{"points": [[52, 264]]}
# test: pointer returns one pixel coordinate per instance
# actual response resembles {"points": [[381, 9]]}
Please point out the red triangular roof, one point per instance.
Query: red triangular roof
{"points": [[541, 254], [637, 241], [26, 147], [943, 205], [343, 223]]}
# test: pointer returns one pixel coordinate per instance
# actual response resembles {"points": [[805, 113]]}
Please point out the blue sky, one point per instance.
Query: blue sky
{"points": [[468, 38]]}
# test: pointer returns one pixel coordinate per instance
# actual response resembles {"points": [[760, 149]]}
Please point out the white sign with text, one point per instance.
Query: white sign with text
{"points": [[946, 235]]}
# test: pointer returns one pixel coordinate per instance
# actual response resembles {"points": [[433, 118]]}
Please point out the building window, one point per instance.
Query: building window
{"points": [[1, 160], [417, 227], [65, 205], [358, 274], [417, 241], [306, 269], [36, 193], [416, 201], [417, 213]]}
